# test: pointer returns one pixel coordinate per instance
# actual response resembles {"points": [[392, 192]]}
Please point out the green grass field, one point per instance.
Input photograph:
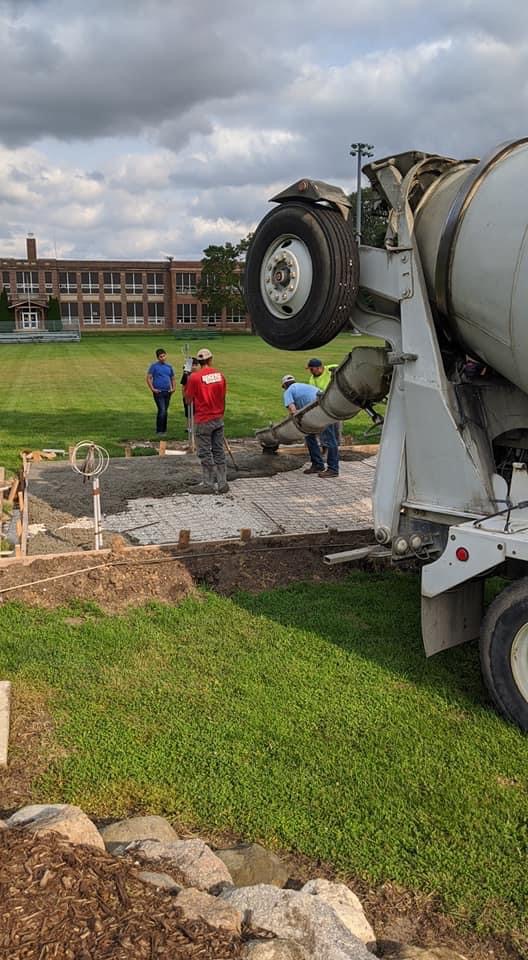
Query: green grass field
{"points": [[53, 395], [306, 717]]}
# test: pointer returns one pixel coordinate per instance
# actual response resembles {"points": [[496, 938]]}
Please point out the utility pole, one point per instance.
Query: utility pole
{"points": [[360, 150]]}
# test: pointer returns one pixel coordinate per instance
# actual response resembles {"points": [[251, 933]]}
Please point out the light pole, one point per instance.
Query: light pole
{"points": [[360, 150], [30, 236]]}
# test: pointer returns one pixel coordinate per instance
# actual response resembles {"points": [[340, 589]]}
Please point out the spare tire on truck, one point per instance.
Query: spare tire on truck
{"points": [[301, 276]]}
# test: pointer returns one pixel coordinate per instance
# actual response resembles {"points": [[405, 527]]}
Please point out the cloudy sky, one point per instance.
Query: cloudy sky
{"points": [[139, 128]]}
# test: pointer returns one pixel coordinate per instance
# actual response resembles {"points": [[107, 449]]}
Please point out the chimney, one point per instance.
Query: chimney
{"points": [[31, 249]]}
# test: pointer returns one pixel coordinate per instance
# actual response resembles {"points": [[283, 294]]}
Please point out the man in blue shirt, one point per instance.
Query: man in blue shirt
{"points": [[160, 380], [297, 396]]}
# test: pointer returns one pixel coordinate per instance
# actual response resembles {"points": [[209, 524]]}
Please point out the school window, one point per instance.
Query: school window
{"points": [[69, 312], [156, 313], [92, 314], [134, 282], [186, 312], [185, 282], [27, 281], [155, 282], [112, 282], [90, 282], [5, 281], [235, 316], [48, 281], [113, 313], [209, 316], [135, 312], [67, 281]]}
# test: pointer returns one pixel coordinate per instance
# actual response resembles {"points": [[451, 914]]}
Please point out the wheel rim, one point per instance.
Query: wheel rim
{"points": [[286, 276], [519, 660]]}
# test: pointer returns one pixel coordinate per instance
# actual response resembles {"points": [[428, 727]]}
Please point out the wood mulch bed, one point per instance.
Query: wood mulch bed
{"points": [[66, 902]]}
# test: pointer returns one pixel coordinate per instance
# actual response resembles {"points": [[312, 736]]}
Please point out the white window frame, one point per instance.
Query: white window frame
{"points": [[66, 311], [153, 313], [113, 317], [68, 286], [91, 285], [187, 283], [137, 316], [113, 285], [133, 285], [187, 313], [88, 308], [157, 286]]}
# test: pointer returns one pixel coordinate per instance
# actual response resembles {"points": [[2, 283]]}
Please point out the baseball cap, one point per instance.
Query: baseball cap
{"points": [[204, 354], [315, 362], [287, 380]]}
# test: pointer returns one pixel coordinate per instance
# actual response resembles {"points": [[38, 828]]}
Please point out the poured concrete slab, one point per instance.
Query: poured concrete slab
{"points": [[285, 503]]}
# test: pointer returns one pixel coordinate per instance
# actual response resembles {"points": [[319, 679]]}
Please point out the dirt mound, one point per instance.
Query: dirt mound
{"points": [[63, 902], [113, 581]]}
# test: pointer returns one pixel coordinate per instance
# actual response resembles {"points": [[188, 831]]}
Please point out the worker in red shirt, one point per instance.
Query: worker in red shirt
{"points": [[206, 390]]}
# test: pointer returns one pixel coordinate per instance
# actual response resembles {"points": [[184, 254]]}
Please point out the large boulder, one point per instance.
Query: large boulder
{"points": [[137, 828], [346, 905], [249, 863], [300, 917], [197, 905], [162, 881], [63, 818], [193, 861], [275, 950]]}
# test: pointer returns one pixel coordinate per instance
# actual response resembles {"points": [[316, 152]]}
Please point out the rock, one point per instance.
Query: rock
{"points": [[197, 905], [160, 880], [275, 950], [404, 951], [193, 860], [249, 863], [301, 917], [137, 828], [61, 818], [346, 905]]}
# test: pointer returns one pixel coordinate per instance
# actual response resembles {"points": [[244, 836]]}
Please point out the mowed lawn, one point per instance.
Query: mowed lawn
{"points": [[306, 717], [54, 395]]}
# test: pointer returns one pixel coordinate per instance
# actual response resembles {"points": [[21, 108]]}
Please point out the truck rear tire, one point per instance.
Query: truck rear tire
{"points": [[301, 276], [504, 652]]}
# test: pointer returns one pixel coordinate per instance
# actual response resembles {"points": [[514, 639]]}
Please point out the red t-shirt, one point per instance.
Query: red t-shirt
{"points": [[206, 389]]}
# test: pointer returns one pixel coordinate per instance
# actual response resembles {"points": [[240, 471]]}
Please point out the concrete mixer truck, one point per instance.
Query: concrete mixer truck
{"points": [[451, 282]]}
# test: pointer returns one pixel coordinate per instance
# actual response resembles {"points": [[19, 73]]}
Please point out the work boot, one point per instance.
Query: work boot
{"points": [[314, 469], [221, 476], [327, 474], [208, 480]]}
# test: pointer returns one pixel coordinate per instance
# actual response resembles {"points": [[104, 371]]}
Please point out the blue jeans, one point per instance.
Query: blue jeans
{"points": [[328, 438], [162, 400]]}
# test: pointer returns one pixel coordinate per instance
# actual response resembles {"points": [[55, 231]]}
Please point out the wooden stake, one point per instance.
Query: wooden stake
{"points": [[184, 538], [14, 490], [162, 448], [128, 450], [245, 534]]}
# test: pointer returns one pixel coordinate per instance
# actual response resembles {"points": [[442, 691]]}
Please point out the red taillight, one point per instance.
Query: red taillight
{"points": [[462, 554]]}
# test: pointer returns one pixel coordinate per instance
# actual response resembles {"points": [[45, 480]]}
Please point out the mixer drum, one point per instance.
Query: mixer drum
{"points": [[472, 232]]}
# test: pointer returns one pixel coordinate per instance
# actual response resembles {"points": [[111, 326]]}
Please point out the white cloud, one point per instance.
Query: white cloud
{"points": [[138, 127]]}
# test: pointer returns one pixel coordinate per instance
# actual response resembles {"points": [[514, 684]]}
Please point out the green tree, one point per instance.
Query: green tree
{"points": [[222, 279], [54, 314], [7, 316], [374, 217]]}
